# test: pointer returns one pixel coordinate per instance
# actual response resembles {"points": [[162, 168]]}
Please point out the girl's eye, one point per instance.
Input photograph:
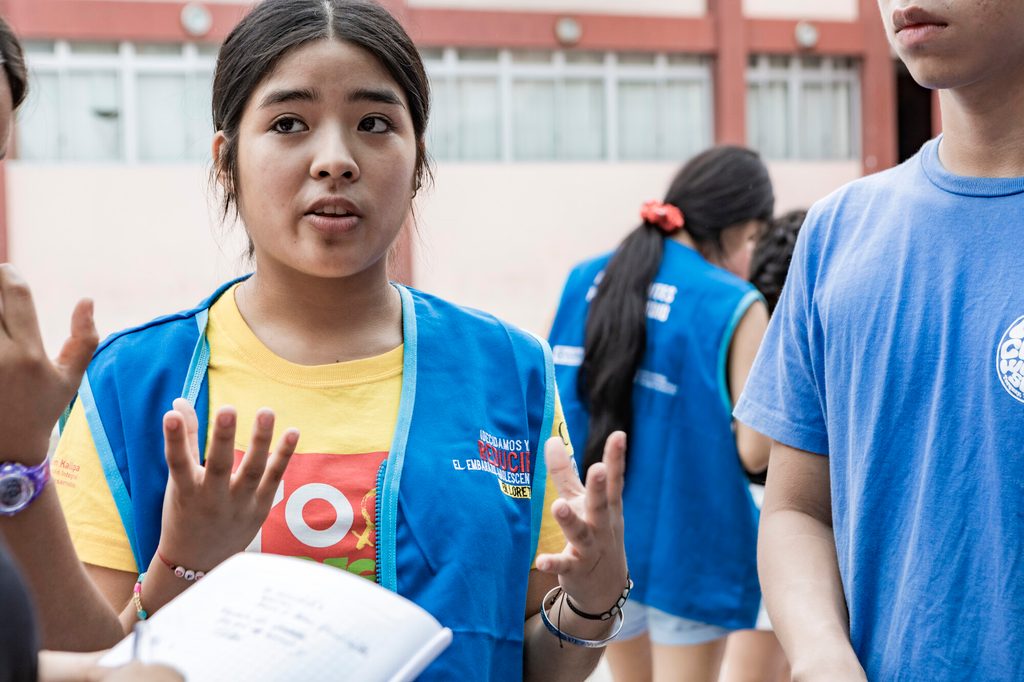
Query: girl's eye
{"points": [[289, 124], [374, 124]]}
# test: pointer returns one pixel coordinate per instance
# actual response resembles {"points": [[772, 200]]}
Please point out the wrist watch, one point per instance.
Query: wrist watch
{"points": [[20, 485]]}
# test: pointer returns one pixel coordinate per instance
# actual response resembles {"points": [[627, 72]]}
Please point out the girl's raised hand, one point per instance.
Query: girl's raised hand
{"points": [[209, 512], [35, 390], [592, 567]]}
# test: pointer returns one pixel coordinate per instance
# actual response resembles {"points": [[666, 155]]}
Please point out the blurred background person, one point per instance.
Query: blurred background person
{"points": [[656, 339], [756, 655]]}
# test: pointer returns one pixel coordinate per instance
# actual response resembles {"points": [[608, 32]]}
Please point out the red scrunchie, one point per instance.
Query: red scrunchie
{"points": [[666, 217]]}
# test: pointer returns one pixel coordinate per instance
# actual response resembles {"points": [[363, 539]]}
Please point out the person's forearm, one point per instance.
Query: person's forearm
{"points": [[72, 613], [543, 659], [804, 596], [159, 587]]}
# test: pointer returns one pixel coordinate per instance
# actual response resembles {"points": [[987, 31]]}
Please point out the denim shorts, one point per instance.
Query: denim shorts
{"points": [[664, 628]]}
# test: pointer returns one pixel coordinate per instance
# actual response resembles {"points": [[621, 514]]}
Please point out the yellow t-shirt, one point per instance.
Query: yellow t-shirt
{"points": [[325, 507]]}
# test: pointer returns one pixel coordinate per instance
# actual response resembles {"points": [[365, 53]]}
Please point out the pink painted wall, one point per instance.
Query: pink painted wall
{"points": [[832, 10], [139, 240], [503, 238], [145, 240], [634, 7]]}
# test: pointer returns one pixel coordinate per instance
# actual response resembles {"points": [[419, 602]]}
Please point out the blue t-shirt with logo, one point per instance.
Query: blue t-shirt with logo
{"points": [[897, 349]]}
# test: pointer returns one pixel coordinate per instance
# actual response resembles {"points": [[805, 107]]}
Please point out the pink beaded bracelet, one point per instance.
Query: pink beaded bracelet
{"points": [[184, 573], [140, 612]]}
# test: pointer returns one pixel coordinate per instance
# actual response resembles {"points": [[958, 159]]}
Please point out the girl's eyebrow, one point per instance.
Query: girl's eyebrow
{"points": [[294, 95], [381, 96]]}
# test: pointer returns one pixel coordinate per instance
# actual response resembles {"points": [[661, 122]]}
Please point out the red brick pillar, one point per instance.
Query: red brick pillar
{"points": [[730, 71], [878, 93]]}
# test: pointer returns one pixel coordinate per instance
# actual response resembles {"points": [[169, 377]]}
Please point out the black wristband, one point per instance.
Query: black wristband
{"points": [[610, 613]]}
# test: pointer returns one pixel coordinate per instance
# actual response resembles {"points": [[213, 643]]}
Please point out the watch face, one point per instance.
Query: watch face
{"points": [[15, 492]]}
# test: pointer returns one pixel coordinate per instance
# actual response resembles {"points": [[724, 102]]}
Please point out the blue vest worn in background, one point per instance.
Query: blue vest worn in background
{"points": [[458, 517], [691, 526]]}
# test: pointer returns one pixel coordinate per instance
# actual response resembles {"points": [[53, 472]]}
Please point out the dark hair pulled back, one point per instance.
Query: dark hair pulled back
{"points": [[14, 64], [276, 27], [719, 188], [770, 263]]}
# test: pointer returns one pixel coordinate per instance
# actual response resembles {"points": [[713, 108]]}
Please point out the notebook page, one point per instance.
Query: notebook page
{"points": [[265, 617], [418, 663]]}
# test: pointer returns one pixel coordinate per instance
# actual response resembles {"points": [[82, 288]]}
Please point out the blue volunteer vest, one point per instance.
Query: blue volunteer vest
{"points": [[460, 496], [691, 526]]}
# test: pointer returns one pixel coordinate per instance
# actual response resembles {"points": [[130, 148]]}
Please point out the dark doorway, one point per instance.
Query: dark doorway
{"points": [[913, 113]]}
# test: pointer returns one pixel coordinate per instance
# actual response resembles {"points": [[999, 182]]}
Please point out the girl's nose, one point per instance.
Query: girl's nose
{"points": [[334, 159]]}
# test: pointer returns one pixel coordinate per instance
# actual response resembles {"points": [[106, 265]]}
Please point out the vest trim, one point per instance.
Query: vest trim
{"points": [[540, 473], [122, 499], [200, 361], [388, 494], [748, 300]]}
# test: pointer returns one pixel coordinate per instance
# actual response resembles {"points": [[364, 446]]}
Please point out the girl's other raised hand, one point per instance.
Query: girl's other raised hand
{"points": [[592, 567], [210, 513], [35, 389]]}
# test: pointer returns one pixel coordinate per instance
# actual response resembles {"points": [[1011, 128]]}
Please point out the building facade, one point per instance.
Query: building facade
{"points": [[553, 120]]}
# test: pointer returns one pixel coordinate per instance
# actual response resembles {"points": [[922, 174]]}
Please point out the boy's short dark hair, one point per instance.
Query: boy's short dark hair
{"points": [[770, 262]]}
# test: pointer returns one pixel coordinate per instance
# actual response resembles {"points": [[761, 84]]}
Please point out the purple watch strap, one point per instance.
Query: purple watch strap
{"points": [[20, 485]]}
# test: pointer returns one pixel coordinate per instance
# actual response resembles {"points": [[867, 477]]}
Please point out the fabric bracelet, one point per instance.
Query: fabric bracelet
{"points": [[610, 613], [565, 636], [188, 574], [137, 598]]}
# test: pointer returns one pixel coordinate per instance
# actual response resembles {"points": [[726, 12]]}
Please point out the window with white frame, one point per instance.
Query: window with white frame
{"points": [[538, 105], [805, 108], [117, 102]]}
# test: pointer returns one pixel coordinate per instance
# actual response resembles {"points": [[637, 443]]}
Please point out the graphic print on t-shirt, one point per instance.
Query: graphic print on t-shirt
{"points": [[1010, 360], [324, 510]]}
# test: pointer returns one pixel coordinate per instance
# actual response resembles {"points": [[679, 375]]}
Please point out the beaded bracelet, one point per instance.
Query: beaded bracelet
{"points": [[137, 598], [552, 596], [184, 573]]}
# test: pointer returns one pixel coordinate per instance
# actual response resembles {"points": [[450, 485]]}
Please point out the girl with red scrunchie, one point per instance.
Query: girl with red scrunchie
{"points": [[656, 339]]}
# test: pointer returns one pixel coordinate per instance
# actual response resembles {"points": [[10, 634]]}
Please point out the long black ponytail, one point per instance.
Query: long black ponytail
{"points": [[719, 188]]}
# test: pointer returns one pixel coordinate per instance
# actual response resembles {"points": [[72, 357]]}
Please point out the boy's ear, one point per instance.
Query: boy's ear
{"points": [[217, 150]]}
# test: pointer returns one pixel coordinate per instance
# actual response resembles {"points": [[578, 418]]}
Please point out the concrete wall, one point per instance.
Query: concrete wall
{"points": [[503, 238], [139, 240], [145, 240], [205, 2], [840, 10], [686, 8], [832, 10], [836, 10]]}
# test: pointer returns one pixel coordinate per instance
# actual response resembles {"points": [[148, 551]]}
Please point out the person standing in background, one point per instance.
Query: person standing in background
{"points": [[756, 655], [656, 339]]}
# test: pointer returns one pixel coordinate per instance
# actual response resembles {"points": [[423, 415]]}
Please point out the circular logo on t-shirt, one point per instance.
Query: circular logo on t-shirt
{"points": [[1010, 360]]}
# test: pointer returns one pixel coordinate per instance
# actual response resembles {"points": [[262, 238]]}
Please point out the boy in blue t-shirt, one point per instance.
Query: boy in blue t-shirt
{"points": [[897, 351]]}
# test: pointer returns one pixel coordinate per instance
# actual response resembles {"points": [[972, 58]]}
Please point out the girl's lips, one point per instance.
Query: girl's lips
{"points": [[918, 34], [333, 225]]}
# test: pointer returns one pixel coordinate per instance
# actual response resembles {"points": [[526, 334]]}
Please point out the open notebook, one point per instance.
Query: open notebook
{"points": [[268, 617]]}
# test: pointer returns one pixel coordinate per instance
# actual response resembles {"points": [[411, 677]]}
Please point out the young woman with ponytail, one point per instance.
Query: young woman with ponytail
{"points": [[656, 339]]}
